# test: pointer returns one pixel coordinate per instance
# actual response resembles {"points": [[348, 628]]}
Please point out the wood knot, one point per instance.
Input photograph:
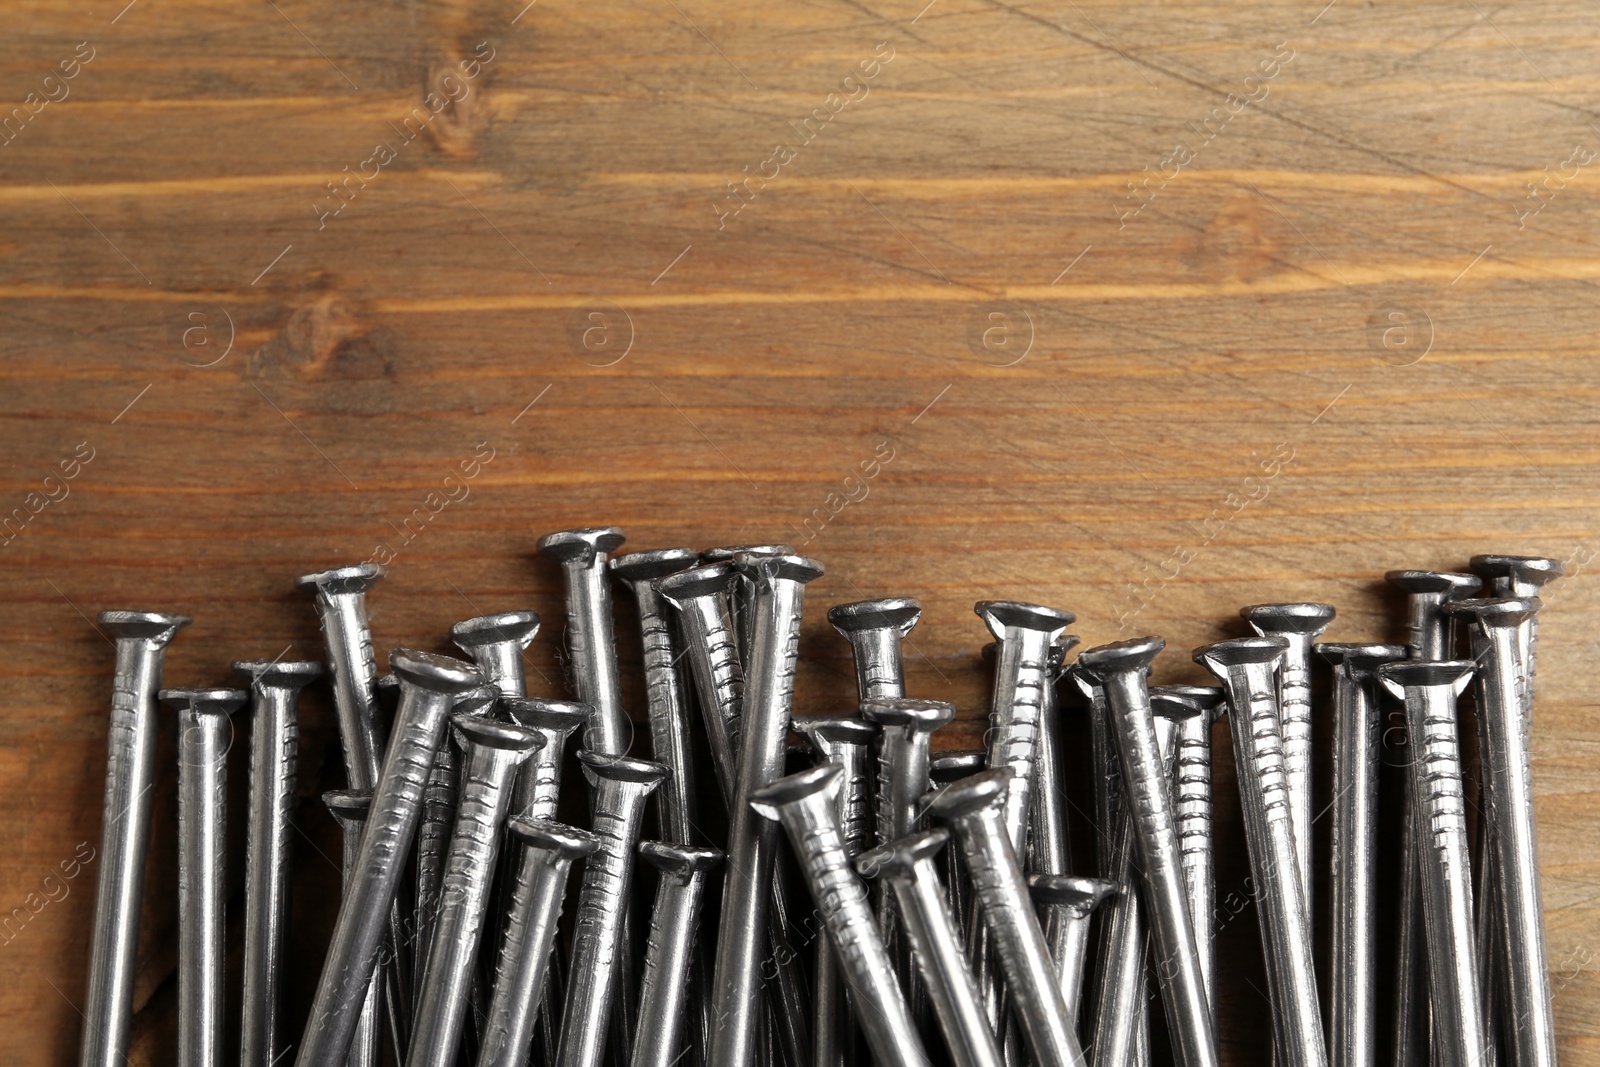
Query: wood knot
{"points": [[459, 79], [1238, 243], [311, 339]]}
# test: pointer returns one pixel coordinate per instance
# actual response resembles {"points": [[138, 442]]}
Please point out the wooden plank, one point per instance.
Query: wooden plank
{"points": [[1348, 269]]}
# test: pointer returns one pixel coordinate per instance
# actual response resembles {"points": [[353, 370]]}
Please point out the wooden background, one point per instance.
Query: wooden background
{"points": [[1345, 267]]}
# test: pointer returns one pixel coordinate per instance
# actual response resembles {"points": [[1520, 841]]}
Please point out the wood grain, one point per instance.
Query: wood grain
{"points": [[1074, 395]]}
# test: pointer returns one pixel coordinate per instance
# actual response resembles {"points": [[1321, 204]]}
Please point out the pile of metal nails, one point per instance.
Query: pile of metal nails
{"points": [[942, 924]]}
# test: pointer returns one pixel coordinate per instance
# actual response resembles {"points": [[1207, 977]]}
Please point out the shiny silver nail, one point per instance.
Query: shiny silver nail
{"points": [[621, 787], [1025, 633], [492, 753], [1430, 635], [496, 644], [539, 780], [741, 594], [1430, 691], [1066, 905], [440, 799], [1520, 577], [429, 685], [1048, 849], [340, 597], [875, 629], [807, 807], [1506, 577], [269, 847], [665, 694], [1248, 669], [591, 639], [545, 852], [350, 808], [944, 768], [846, 743], [1122, 669], [1357, 723], [141, 638], [1120, 1023], [700, 595], [1107, 773], [205, 733], [905, 734], [1191, 781], [341, 601], [668, 1008], [1121, 1020], [779, 596], [974, 808], [536, 796], [1517, 920], [907, 864], [1300, 625]]}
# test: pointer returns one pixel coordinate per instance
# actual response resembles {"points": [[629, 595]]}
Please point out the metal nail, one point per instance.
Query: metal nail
{"points": [[1430, 691], [974, 808], [536, 796], [905, 733], [429, 685], [701, 595], [590, 638], [1048, 846], [205, 733], [1121, 1020], [539, 780], [944, 768], [1507, 577], [740, 620], [621, 787], [667, 995], [806, 805], [875, 629], [440, 799], [779, 595], [493, 751], [665, 698], [350, 808], [1024, 636], [1191, 778], [1520, 577], [546, 850], [844, 742], [1025, 633], [1504, 713], [1067, 904], [1430, 635], [1300, 625], [907, 864], [141, 638], [1120, 1024], [269, 848], [496, 644], [340, 597], [341, 602], [1122, 669], [1357, 721], [387, 690], [1107, 772], [1248, 669]]}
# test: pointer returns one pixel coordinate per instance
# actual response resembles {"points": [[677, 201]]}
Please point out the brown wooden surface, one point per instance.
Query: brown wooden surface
{"points": [[1244, 311]]}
